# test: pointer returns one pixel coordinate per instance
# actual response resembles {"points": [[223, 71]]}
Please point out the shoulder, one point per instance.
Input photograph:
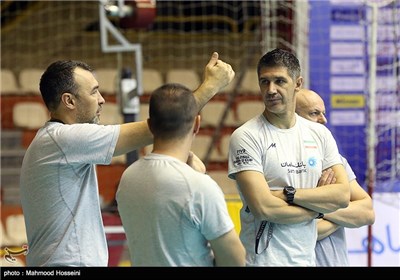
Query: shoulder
{"points": [[250, 126], [83, 133], [310, 125], [204, 182], [344, 160], [82, 127]]}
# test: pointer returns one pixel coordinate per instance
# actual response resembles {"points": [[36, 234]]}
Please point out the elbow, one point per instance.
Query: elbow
{"points": [[270, 214], [370, 217], [239, 259], [367, 218], [242, 257], [259, 215], [369, 212], [259, 212]]}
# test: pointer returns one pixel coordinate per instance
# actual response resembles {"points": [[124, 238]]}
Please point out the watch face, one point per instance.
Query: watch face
{"points": [[290, 190]]}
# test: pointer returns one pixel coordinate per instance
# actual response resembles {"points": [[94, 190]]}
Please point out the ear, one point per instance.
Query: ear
{"points": [[197, 122], [299, 84], [68, 99]]}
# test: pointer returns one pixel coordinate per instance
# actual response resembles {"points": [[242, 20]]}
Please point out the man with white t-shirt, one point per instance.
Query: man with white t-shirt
{"points": [[277, 159]]}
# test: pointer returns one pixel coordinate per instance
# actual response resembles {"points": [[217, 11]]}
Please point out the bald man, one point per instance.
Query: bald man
{"points": [[331, 248], [310, 105]]}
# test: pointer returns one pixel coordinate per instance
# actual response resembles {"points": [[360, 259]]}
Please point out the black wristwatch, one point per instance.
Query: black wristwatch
{"points": [[320, 216], [289, 191]]}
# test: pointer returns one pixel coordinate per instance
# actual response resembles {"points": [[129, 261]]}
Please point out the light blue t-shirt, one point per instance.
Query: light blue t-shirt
{"points": [[286, 157], [169, 212], [60, 196]]}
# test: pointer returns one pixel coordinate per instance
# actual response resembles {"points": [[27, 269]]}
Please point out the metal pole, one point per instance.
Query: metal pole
{"points": [[372, 117]]}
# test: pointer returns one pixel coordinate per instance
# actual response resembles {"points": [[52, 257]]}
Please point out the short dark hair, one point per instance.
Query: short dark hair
{"points": [[280, 58], [58, 79], [172, 110]]}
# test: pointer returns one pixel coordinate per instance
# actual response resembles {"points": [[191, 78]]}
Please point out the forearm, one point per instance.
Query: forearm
{"points": [[133, 136], [280, 212], [290, 214], [326, 228], [269, 205], [329, 195], [358, 213], [228, 250], [204, 93], [324, 199]]}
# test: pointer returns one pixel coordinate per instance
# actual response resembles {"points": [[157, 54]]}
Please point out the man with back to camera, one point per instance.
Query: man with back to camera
{"points": [[58, 183], [331, 247], [174, 215], [277, 159]]}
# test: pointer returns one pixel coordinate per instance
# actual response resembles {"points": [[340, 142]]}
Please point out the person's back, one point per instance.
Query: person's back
{"points": [[172, 214], [169, 211]]}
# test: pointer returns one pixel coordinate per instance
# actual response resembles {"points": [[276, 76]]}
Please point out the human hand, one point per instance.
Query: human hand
{"points": [[194, 162], [327, 177], [218, 74]]}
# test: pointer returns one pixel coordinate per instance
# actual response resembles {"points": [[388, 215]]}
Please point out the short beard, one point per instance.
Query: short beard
{"points": [[94, 120]]}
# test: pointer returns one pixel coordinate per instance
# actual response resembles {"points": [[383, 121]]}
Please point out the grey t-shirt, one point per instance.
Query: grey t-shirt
{"points": [[60, 196], [332, 250], [169, 212]]}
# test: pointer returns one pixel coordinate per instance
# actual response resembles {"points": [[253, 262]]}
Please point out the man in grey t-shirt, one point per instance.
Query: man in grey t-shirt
{"points": [[331, 247]]}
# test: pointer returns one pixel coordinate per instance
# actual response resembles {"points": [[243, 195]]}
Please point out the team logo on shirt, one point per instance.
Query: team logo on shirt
{"points": [[310, 144], [295, 167], [312, 162], [273, 145], [242, 158]]}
